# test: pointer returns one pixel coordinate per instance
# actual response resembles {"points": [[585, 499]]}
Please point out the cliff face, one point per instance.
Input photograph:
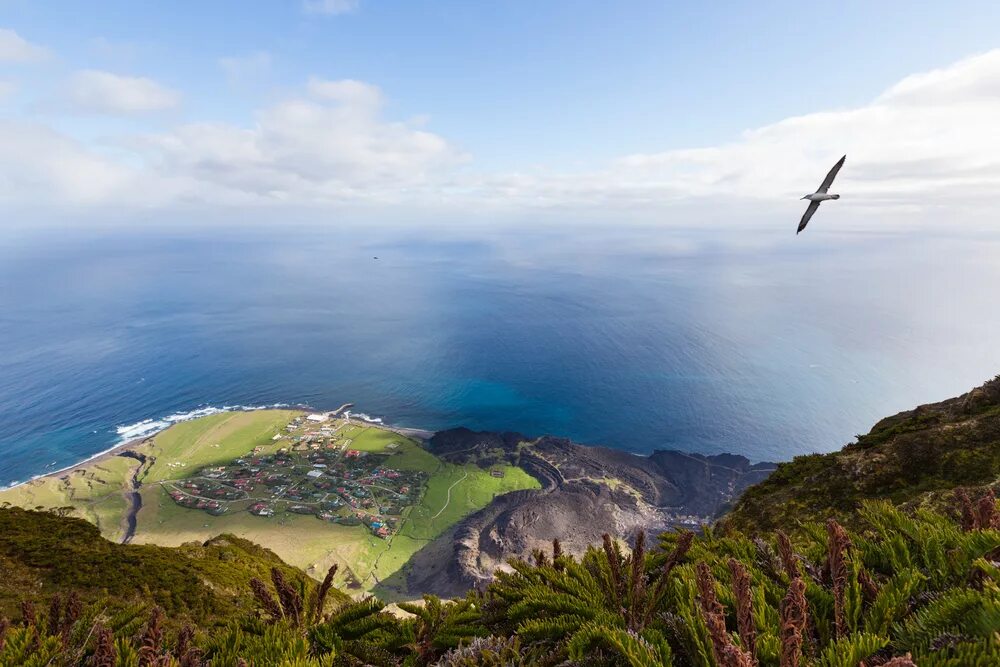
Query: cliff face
{"points": [[916, 458], [587, 492]]}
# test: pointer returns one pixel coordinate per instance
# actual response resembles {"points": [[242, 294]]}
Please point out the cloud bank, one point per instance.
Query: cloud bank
{"points": [[927, 142]]}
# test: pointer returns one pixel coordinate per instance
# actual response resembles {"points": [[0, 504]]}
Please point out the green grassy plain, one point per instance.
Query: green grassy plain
{"points": [[213, 440], [96, 491]]}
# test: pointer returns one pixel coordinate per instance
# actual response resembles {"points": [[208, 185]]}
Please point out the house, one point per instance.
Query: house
{"points": [[314, 473], [316, 417], [261, 509]]}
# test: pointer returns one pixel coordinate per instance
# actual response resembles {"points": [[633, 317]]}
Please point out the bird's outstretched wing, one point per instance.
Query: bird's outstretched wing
{"points": [[813, 205], [828, 181]]}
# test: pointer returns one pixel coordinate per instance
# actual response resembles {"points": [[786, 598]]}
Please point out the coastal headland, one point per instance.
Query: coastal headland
{"points": [[186, 484], [400, 511]]}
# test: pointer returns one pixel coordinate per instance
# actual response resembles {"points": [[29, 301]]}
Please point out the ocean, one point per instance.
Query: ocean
{"points": [[755, 343]]}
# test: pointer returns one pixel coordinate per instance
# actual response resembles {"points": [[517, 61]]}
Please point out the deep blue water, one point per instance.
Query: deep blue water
{"points": [[638, 339]]}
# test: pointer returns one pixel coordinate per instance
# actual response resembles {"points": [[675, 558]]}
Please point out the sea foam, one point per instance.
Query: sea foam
{"points": [[363, 417], [148, 427]]}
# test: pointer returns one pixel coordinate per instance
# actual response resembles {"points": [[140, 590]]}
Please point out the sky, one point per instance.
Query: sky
{"points": [[670, 113]]}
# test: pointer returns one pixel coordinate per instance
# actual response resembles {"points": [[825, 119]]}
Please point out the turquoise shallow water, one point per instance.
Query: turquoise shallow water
{"points": [[639, 339]]}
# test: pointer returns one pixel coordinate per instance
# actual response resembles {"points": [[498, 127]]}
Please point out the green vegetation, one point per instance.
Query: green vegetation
{"points": [[212, 440], [95, 490], [903, 589], [446, 494], [890, 556], [915, 459], [95, 493], [42, 553], [442, 496]]}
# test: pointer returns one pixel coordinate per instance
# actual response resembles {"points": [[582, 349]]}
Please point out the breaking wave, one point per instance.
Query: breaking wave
{"points": [[148, 427], [363, 417]]}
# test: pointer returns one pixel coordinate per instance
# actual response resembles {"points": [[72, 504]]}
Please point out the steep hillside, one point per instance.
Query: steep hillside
{"points": [[899, 591], [915, 458], [42, 553]]}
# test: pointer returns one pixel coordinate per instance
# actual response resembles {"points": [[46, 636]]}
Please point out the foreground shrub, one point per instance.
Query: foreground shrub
{"points": [[901, 590]]}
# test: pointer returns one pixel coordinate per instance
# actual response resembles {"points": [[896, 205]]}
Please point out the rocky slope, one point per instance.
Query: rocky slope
{"points": [[587, 491], [915, 458]]}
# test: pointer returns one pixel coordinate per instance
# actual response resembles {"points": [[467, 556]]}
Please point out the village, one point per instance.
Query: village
{"points": [[310, 470]]}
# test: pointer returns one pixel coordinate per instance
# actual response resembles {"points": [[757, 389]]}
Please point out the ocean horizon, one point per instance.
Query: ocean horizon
{"points": [[638, 339]]}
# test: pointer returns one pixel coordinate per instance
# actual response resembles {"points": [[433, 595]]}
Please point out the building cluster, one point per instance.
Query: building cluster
{"points": [[316, 475]]}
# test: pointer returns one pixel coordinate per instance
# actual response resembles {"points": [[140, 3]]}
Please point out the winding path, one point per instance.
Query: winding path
{"points": [[448, 501]]}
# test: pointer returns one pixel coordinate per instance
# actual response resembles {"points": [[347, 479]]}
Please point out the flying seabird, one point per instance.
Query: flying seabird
{"points": [[820, 195]]}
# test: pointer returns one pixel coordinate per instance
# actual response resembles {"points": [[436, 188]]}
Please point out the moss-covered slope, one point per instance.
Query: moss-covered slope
{"points": [[915, 458], [207, 583]]}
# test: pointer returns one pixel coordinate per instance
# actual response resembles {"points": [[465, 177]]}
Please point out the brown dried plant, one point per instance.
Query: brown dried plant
{"points": [[794, 612], [838, 545], [726, 653], [744, 606]]}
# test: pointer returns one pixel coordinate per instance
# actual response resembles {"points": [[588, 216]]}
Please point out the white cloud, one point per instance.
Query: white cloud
{"points": [[928, 144], [16, 49], [928, 141], [330, 7], [347, 92], [972, 80], [246, 68], [42, 165], [104, 92], [7, 89], [328, 147]]}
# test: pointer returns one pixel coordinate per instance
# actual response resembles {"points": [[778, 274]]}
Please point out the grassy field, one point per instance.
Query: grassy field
{"points": [[452, 493], [302, 541], [456, 491], [95, 493], [190, 446]]}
